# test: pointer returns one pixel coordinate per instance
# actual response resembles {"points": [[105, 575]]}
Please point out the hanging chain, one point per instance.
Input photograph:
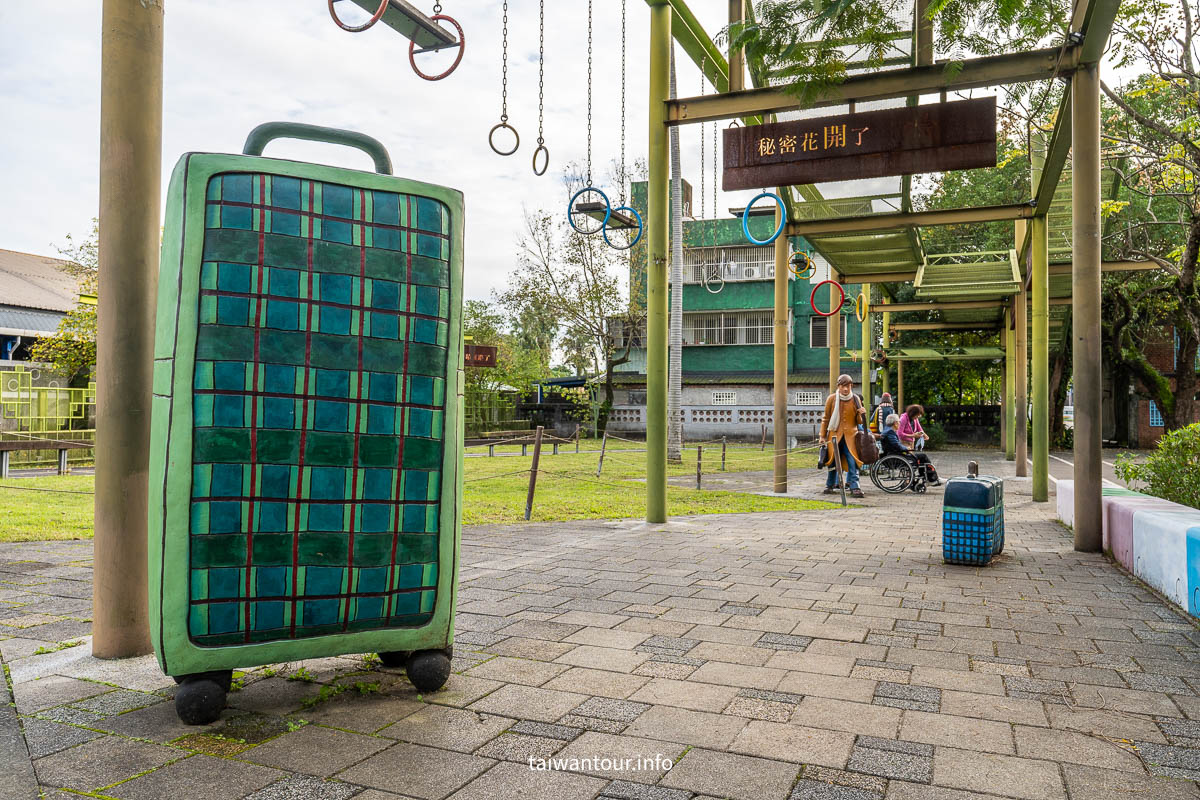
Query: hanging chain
{"points": [[437, 8], [589, 97], [622, 176], [504, 67], [541, 66], [716, 213]]}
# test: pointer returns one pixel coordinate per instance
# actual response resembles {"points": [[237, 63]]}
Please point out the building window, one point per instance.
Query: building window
{"points": [[702, 264], [729, 327], [806, 399], [1156, 418], [818, 331], [724, 398]]}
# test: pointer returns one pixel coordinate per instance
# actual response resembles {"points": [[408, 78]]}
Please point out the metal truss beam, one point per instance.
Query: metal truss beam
{"points": [[999, 70], [878, 223]]}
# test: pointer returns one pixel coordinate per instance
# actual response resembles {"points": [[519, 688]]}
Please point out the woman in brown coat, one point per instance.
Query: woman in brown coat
{"points": [[843, 414]]}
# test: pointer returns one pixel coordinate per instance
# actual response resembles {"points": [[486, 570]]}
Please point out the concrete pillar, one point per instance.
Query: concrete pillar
{"points": [[130, 183], [1041, 360], [1021, 404], [780, 351], [657, 203], [900, 387], [885, 373], [1004, 402], [737, 69], [1085, 303]]}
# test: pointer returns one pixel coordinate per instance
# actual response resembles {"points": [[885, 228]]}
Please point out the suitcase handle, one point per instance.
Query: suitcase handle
{"points": [[268, 131]]}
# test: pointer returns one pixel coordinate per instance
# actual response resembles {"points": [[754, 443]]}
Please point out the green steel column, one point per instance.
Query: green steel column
{"points": [[131, 67], [1021, 391], [866, 345], [1085, 303], [780, 349], [887, 332], [657, 202], [1010, 386], [1041, 360], [834, 336]]}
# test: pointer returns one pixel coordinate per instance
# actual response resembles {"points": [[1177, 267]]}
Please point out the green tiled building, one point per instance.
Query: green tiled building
{"points": [[728, 331]]}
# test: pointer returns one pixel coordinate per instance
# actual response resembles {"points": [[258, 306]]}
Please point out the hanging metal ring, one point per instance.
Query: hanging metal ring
{"points": [[378, 15], [812, 298], [571, 212], [782, 218], [860, 307], [636, 239], [707, 281], [492, 138], [461, 45], [734, 124], [545, 153]]}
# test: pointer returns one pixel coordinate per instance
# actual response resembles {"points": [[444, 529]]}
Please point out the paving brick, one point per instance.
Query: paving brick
{"points": [[1170, 761], [914, 698], [893, 760], [527, 702], [101, 762], [784, 641], [293, 751], [627, 790], [842, 715], [1103, 784], [517, 670], [452, 728], [44, 737], [733, 776], [608, 708], [198, 778], [699, 728], [954, 731], [1003, 709], [1111, 724], [422, 772], [698, 697], [305, 787], [815, 790], [508, 781], [997, 774], [792, 742], [622, 757], [833, 686]]}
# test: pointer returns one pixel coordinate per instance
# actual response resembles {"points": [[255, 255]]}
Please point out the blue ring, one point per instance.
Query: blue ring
{"points": [[607, 210], [636, 239], [782, 218]]}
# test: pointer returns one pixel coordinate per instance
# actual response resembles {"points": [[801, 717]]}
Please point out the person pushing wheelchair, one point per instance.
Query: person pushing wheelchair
{"points": [[890, 440]]}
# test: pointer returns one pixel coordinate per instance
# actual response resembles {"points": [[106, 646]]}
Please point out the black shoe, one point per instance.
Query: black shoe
{"points": [[829, 490]]}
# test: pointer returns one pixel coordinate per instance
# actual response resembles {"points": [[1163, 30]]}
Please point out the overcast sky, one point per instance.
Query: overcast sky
{"points": [[231, 64]]}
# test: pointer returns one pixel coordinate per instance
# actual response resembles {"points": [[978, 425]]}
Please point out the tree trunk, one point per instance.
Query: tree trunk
{"points": [[1058, 383], [1186, 379]]}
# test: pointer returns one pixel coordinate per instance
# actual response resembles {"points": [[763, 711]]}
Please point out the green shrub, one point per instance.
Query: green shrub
{"points": [[937, 435], [1170, 472]]}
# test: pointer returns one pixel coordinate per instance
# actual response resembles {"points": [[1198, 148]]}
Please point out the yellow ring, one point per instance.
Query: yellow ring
{"points": [[809, 266], [860, 307]]}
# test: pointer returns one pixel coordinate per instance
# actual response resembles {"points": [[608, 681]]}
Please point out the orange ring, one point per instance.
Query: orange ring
{"points": [[378, 15], [860, 307], [461, 45]]}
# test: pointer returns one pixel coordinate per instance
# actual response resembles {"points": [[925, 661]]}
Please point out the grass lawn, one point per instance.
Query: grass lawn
{"points": [[34, 516], [567, 489]]}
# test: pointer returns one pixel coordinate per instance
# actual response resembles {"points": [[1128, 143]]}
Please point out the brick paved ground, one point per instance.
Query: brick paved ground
{"points": [[807, 655]]}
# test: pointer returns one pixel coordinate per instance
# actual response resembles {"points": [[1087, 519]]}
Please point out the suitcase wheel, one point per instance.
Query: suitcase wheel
{"points": [[428, 670]]}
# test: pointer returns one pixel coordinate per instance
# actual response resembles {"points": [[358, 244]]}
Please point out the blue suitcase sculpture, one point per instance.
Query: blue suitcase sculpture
{"points": [[973, 520]]}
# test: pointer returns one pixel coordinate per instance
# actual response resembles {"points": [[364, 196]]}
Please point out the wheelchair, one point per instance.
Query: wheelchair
{"points": [[895, 474]]}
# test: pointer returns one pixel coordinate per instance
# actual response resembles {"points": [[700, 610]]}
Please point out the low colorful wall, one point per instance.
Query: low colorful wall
{"points": [[1155, 539]]}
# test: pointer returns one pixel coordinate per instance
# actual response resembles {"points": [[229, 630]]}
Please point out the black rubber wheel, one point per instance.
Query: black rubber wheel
{"points": [[394, 659], [221, 677], [199, 701], [428, 670]]}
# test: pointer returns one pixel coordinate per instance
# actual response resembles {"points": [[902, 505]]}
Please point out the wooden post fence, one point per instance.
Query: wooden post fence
{"points": [[699, 460], [603, 445], [723, 442], [533, 470]]}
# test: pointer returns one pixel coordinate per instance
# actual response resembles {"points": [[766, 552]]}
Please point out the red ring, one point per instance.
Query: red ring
{"points": [[812, 298], [462, 46], [383, 6]]}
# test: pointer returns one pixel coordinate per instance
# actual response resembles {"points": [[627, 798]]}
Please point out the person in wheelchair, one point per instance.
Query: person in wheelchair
{"points": [[893, 446]]}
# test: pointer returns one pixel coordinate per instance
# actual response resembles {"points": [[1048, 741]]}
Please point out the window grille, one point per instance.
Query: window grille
{"points": [[818, 331], [724, 398], [1156, 417], [806, 399], [729, 327], [729, 263]]}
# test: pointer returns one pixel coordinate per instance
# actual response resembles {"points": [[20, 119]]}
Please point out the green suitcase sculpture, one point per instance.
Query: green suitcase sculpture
{"points": [[305, 480]]}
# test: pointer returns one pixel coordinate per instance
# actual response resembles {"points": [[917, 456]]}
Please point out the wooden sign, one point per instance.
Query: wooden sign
{"points": [[479, 355], [895, 141]]}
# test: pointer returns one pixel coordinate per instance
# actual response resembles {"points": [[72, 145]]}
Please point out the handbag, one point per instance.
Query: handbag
{"points": [[864, 442], [822, 456]]}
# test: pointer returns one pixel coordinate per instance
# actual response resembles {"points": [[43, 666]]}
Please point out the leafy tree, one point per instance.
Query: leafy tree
{"points": [[488, 391], [72, 348]]}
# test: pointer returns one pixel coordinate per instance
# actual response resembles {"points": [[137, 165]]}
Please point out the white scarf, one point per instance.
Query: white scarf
{"points": [[838, 398]]}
